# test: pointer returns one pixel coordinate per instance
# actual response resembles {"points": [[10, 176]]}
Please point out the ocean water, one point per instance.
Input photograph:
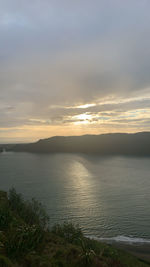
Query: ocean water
{"points": [[109, 197]]}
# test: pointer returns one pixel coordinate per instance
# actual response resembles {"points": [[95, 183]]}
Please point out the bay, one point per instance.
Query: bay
{"points": [[109, 197]]}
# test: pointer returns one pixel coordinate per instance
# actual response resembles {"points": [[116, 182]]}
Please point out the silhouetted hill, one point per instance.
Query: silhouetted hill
{"points": [[104, 144]]}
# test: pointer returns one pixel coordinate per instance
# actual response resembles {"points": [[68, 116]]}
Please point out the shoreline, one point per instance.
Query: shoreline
{"points": [[140, 250]]}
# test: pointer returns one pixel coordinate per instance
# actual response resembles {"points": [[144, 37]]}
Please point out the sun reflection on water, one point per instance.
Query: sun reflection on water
{"points": [[82, 183], [81, 175]]}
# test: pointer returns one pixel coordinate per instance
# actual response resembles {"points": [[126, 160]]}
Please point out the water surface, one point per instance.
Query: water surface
{"points": [[108, 196]]}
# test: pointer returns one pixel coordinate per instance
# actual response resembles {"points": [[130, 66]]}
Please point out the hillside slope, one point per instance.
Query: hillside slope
{"points": [[26, 240]]}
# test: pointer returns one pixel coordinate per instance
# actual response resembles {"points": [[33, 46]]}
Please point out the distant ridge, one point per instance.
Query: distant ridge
{"points": [[104, 144]]}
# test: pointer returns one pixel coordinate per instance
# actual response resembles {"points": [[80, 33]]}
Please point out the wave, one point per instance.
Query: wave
{"points": [[122, 239]]}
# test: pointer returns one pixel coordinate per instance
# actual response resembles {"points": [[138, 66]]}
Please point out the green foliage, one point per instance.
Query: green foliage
{"points": [[24, 224], [5, 262], [31, 212], [87, 254], [5, 216], [34, 260], [22, 240], [70, 232], [26, 240]]}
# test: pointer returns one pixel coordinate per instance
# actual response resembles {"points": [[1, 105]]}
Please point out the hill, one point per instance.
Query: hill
{"points": [[104, 144], [26, 240]]}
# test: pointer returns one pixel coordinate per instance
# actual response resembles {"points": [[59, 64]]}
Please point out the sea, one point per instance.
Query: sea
{"points": [[108, 197]]}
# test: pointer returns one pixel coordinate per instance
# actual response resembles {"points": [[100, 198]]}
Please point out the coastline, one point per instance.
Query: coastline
{"points": [[138, 247], [141, 251]]}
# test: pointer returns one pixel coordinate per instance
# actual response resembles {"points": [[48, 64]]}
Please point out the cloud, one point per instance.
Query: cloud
{"points": [[66, 54]]}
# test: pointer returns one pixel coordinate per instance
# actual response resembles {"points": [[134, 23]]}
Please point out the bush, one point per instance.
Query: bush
{"points": [[31, 212], [5, 262], [5, 216], [23, 240], [87, 254], [70, 232]]}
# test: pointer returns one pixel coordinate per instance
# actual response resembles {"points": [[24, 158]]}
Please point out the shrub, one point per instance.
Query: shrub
{"points": [[5, 216], [22, 240], [31, 212], [5, 262], [87, 253], [70, 232]]}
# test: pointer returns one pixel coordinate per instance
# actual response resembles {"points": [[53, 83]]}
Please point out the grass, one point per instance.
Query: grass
{"points": [[26, 240]]}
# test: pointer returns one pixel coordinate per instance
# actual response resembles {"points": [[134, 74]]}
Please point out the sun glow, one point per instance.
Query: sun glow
{"points": [[86, 106], [82, 118]]}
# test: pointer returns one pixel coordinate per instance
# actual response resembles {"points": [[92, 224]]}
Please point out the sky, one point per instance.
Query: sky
{"points": [[73, 67]]}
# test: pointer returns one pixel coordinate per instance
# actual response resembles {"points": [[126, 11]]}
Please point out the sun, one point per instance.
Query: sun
{"points": [[82, 118]]}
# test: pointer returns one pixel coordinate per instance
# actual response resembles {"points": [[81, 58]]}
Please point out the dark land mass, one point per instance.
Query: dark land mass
{"points": [[137, 144], [5, 147]]}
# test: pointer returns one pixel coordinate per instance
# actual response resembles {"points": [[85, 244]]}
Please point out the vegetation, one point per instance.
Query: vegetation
{"points": [[26, 240]]}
